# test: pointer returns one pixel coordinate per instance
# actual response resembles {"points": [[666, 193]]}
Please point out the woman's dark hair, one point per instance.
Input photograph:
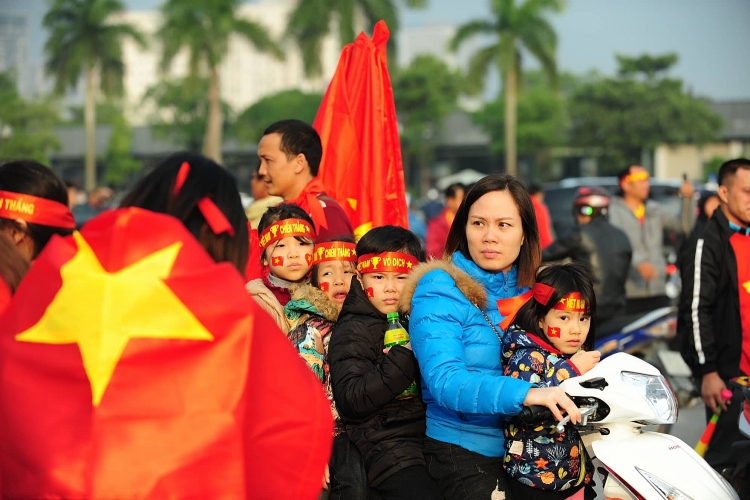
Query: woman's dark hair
{"points": [[206, 179], [389, 239], [33, 178], [565, 279], [531, 250], [344, 238]]}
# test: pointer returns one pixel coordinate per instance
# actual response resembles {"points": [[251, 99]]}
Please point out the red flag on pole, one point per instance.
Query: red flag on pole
{"points": [[361, 166], [134, 366]]}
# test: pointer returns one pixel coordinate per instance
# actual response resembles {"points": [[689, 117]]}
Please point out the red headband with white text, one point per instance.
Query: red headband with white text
{"points": [[386, 262], [541, 293], [35, 210], [285, 228]]}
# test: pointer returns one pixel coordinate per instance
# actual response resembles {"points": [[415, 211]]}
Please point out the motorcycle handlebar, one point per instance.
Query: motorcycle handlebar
{"points": [[535, 414]]}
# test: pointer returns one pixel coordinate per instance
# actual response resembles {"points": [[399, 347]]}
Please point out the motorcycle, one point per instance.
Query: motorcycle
{"points": [[740, 476], [617, 398], [647, 336]]}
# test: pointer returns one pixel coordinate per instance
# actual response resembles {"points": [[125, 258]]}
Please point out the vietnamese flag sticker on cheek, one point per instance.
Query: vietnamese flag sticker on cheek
{"points": [[324, 286], [308, 259], [553, 331], [277, 261], [370, 293]]}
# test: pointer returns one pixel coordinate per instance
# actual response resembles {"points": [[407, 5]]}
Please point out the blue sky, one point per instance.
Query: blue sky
{"points": [[710, 36]]}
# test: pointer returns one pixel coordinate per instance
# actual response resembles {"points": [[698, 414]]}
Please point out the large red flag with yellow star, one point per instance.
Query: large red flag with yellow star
{"points": [[134, 366], [361, 166]]}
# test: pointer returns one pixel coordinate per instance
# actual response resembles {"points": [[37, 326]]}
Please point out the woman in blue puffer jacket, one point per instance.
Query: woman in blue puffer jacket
{"points": [[456, 336]]}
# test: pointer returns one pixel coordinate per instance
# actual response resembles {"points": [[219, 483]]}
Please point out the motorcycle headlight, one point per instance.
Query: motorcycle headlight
{"points": [[657, 393], [666, 490]]}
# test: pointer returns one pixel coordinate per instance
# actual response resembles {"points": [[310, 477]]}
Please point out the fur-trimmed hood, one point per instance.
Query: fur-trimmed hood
{"points": [[317, 297], [471, 288]]}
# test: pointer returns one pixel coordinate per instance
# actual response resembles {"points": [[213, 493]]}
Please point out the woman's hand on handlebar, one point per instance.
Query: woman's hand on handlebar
{"points": [[553, 398]]}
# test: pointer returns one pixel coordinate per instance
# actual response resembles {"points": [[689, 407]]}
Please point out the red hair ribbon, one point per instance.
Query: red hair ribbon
{"points": [[215, 218], [35, 210], [509, 307]]}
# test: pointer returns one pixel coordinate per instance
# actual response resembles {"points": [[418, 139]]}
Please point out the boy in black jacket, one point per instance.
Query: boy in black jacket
{"points": [[368, 380]]}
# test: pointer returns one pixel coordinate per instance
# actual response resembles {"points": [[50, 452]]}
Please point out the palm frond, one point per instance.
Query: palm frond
{"points": [[258, 36], [539, 38], [479, 65], [308, 24], [469, 30]]}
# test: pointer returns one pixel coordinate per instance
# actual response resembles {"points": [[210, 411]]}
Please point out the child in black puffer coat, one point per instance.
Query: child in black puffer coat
{"points": [[369, 381]]}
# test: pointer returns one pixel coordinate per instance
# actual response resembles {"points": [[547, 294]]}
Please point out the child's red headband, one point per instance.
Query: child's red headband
{"points": [[285, 228], [335, 250], [541, 293], [35, 210], [215, 218], [386, 262]]}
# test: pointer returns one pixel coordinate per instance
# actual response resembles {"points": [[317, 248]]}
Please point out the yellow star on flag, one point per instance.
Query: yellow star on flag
{"points": [[102, 311], [746, 286]]}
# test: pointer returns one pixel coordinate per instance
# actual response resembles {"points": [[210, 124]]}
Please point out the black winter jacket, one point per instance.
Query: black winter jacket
{"points": [[709, 314], [389, 432], [606, 249]]}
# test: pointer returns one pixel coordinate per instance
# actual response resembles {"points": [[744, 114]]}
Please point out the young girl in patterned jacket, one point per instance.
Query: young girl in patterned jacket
{"points": [[312, 313], [549, 341]]}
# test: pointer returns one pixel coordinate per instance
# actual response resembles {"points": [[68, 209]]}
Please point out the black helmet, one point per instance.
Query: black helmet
{"points": [[592, 201]]}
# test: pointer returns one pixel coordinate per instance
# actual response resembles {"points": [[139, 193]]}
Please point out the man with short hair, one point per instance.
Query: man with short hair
{"points": [[290, 153], [438, 227], [715, 308], [598, 244], [262, 201], [644, 221]]}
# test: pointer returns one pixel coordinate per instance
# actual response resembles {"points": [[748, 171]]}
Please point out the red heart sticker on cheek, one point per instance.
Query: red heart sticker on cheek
{"points": [[370, 293], [553, 331], [277, 261], [324, 286]]}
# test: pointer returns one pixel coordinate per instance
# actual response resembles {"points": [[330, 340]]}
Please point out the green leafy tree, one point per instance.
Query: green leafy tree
{"points": [[203, 29], [425, 93], [618, 118], [312, 20], [107, 112], [712, 166], [86, 40], [181, 111], [251, 123], [25, 127], [513, 27], [542, 119], [120, 162]]}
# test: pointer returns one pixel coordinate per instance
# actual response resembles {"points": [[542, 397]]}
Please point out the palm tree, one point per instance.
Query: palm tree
{"points": [[85, 39], [311, 21], [203, 28], [513, 27]]}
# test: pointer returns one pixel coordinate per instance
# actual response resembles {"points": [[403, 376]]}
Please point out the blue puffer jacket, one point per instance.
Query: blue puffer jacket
{"points": [[459, 354]]}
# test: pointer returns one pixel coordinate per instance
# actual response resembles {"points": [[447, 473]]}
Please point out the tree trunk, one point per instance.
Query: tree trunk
{"points": [[510, 122], [90, 125], [212, 139]]}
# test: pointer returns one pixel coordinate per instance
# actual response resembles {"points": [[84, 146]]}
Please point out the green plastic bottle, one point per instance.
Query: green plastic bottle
{"points": [[396, 334]]}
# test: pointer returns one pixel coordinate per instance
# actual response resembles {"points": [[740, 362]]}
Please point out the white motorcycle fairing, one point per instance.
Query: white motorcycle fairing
{"points": [[665, 457]]}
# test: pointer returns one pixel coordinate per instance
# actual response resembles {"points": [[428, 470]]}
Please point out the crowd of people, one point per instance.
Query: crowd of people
{"points": [[434, 416]]}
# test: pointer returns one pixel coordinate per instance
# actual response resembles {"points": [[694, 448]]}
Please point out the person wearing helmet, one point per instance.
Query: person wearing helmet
{"points": [[598, 244]]}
